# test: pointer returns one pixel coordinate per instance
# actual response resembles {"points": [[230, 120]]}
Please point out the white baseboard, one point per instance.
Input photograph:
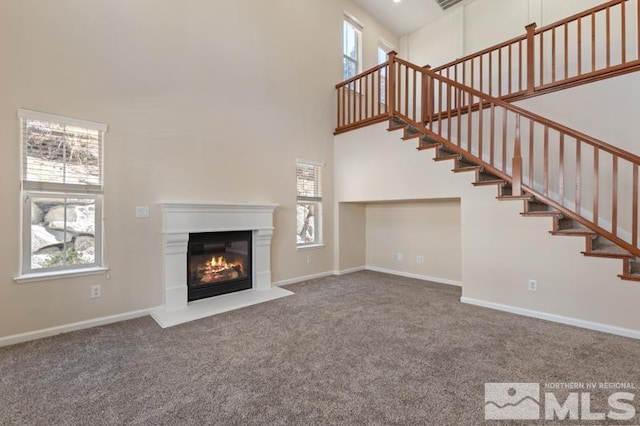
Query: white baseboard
{"points": [[48, 332], [619, 331], [416, 276], [350, 270], [300, 279]]}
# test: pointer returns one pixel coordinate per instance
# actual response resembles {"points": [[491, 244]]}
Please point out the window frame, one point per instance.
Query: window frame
{"points": [[316, 201], [30, 190], [358, 30]]}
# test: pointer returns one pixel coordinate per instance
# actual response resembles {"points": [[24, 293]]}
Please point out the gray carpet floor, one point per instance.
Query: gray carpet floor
{"points": [[361, 349]]}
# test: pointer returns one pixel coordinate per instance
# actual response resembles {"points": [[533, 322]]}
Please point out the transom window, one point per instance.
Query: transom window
{"points": [[62, 189]]}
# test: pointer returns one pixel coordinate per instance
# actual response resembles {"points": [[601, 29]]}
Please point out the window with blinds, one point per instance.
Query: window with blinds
{"points": [[351, 48], [62, 187], [309, 202]]}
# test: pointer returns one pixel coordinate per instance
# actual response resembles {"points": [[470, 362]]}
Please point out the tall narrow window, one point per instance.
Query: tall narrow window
{"points": [[351, 48], [309, 203], [61, 192]]}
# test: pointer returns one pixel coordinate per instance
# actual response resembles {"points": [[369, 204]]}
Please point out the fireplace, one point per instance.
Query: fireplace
{"points": [[218, 263], [183, 221]]}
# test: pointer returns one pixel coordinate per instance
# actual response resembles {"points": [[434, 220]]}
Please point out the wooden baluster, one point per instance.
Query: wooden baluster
{"points": [[480, 119], [481, 73], [469, 123], [614, 197], [431, 99], [593, 42], [492, 135], [596, 186], [361, 97], [349, 90], [510, 71], [623, 30], [440, 108], [531, 152], [608, 18], [553, 55], [504, 139], [634, 219], [449, 110], [500, 72], [578, 175], [490, 74], [520, 66], [391, 83], [531, 28], [580, 45], [546, 161], [566, 50], [338, 108], [459, 117], [516, 165], [415, 97], [366, 98], [375, 98], [406, 91], [561, 171], [542, 59]]}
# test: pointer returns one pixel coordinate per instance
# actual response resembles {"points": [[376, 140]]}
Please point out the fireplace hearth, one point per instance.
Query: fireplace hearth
{"points": [[218, 263]]}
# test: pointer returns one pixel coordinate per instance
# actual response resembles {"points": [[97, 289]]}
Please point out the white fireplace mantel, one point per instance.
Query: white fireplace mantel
{"points": [[181, 218]]}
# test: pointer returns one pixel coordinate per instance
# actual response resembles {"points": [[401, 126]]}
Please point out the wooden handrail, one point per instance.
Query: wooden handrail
{"points": [[362, 74]]}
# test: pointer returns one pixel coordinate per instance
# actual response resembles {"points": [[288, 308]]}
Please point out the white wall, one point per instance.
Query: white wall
{"points": [[204, 100], [501, 250], [481, 24]]}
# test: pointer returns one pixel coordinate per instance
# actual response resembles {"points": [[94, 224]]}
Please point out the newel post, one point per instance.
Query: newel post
{"points": [[391, 82], [427, 95], [531, 29], [516, 164]]}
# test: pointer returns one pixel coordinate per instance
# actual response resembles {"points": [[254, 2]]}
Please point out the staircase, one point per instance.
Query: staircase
{"points": [[588, 187]]}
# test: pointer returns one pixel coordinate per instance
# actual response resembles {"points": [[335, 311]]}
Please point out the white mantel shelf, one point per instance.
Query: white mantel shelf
{"points": [[181, 218]]}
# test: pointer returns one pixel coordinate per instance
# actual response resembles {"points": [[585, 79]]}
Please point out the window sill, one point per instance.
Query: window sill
{"points": [[310, 246], [43, 276]]}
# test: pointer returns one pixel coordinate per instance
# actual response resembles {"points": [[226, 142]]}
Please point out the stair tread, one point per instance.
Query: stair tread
{"points": [[630, 277], [608, 251], [542, 213], [574, 231], [514, 197], [489, 182], [466, 169]]}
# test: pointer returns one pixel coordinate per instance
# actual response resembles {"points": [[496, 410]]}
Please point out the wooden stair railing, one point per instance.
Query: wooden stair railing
{"points": [[597, 43], [576, 177]]}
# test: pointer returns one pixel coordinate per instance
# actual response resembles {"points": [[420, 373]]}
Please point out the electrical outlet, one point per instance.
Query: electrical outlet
{"points": [[309, 259], [399, 257], [419, 259], [96, 291], [533, 285], [142, 211]]}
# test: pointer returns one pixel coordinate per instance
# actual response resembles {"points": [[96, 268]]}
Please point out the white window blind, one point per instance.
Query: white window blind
{"points": [[61, 154], [309, 181]]}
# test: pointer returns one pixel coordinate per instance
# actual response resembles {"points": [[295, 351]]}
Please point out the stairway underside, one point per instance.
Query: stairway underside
{"points": [[563, 225]]}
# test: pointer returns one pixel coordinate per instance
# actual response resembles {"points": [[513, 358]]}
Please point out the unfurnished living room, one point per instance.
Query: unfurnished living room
{"points": [[349, 212]]}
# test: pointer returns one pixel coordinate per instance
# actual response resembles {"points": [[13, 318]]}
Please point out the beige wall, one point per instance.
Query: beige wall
{"points": [[501, 250], [351, 225], [430, 229], [205, 101]]}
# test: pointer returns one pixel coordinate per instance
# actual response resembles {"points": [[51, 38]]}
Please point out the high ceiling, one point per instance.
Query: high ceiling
{"points": [[404, 17]]}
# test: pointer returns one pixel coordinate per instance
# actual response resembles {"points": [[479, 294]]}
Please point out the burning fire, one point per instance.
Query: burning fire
{"points": [[219, 269]]}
